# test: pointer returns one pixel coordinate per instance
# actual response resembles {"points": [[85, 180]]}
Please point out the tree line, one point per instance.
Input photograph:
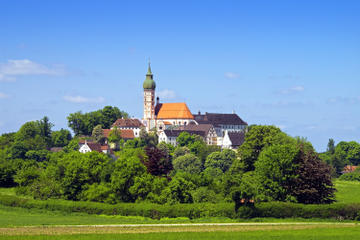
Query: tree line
{"points": [[269, 166]]}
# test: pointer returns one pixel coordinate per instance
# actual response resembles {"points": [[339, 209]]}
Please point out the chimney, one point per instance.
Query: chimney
{"points": [[199, 113]]}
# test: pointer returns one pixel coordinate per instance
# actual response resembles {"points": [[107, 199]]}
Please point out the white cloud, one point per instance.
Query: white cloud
{"points": [[166, 94], [13, 68], [292, 90], [80, 99], [231, 75], [3, 95]]}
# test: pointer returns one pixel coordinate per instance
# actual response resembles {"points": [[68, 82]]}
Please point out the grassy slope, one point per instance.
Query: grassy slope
{"points": [[347, 192]]}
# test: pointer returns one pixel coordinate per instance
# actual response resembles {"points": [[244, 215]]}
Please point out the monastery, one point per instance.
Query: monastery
{"points": [[170, 119]]}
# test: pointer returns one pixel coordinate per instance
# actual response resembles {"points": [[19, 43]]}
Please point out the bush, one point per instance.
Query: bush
{"points": [[195, 210], [353, 176]]}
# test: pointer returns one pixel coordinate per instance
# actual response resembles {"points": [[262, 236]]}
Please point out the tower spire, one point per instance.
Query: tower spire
{"points": [[149, 69]]}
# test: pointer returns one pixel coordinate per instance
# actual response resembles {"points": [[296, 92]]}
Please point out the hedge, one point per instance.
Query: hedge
{"points": [[196, 210]]}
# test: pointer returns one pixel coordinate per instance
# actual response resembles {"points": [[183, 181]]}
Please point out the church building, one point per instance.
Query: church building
{"points": [[170, 119], [161, 116]]}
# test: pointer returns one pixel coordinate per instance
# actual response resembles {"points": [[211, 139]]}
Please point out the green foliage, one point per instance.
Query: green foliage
{"points": [[97, 134], [115, 137], [73, 145], [352, 176], [6, 140], [8, 168], [81, 169], [60, 138], [331, 146], [83, 124], [127, 168], [276, 168], [148, 139], [188, 163], [204, 194], [180, 151], [142, 186], [185, 139], [178, 191], [247, 192], [99, 192], [38, 155], [257, 138], [221, 160]]}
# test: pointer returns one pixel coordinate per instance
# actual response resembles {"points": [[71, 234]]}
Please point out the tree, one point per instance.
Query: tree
{"points": [[76, 121], [148, 139], [114, 135], [60, 138], [221, 160], [276, 168], [178, 191], [80, 170], [83, 124], [313, 183], [185, 139], [158, 162], [331, 146], [188, 163], [258, 138], [247, 191], [6, 140], [127, 168], [27, 138], [97, 134], [45, 129]]}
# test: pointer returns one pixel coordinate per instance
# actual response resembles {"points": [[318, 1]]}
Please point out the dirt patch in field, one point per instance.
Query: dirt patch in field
{"points": [[66, 230]]}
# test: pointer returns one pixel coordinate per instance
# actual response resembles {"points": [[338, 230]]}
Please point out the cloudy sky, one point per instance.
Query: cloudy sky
{"points": [[293, 64]]}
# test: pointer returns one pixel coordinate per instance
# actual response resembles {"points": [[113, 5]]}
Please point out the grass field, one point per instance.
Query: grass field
{"points": [[20, 223], [264, 232], [347, 191]]}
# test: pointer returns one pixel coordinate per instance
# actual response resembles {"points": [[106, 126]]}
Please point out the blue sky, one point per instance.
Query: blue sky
{"points": [[293, 64]]}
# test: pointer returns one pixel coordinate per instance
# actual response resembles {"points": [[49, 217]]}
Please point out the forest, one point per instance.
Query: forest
{"points": [[269, 166]]}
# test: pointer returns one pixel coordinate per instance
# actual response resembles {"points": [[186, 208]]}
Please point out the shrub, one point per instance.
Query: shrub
{"points": [[353, 176]]}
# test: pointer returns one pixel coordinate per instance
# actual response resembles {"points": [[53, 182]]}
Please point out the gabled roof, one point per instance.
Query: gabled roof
{"points": [[124, 133], [218, 119], [94, 146], [130, 122], [237, 138], [127, 134], [194, 127], [173, 111]]}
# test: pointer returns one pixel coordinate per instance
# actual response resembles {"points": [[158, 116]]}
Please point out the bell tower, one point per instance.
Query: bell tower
{"points": [[149, 100]]}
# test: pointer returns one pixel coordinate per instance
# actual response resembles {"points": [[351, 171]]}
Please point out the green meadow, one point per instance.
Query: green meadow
{"points": [[14, 219]]}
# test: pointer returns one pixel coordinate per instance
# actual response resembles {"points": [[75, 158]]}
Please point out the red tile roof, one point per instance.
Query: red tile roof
{"points": [[173, 111], [349, 169], [127, 134], [106, 132]]}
